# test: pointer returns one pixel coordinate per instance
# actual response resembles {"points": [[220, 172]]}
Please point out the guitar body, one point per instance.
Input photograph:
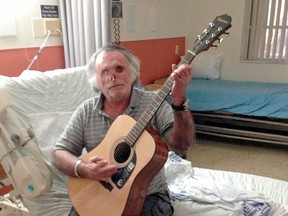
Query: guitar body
{"points": [[91, 197]]}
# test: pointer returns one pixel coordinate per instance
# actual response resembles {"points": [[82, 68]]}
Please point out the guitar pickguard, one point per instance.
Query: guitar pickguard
{"points": [[120, 178]]}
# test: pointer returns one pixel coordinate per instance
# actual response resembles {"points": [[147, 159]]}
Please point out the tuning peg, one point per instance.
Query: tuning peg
{"points": [[220, 40], [226, 33], [198, 39], [206, 31], [214, 46]]}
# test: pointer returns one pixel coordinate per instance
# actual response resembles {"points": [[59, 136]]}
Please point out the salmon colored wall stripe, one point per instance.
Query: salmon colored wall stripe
{"points": [[156, 57], [14, 61]]}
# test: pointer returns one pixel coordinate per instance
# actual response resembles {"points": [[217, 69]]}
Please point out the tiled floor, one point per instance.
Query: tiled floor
{"points": [[240, 156]]}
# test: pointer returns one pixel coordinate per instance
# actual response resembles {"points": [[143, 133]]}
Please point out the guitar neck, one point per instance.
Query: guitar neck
{"points": [[150, 111]]}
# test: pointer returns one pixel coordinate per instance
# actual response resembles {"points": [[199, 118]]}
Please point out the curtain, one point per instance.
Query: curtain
{"points": [[86, 26]]}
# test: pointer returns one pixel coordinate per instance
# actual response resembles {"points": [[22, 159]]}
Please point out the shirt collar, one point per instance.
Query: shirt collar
{"points": [[134, 101]]}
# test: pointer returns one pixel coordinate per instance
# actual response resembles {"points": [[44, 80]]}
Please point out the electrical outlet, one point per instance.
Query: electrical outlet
{"points": [[53, 25], [41, 26], [176, 49]]}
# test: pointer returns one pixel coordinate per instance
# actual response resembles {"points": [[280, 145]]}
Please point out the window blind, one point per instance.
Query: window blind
{"points": [[268, 31]]}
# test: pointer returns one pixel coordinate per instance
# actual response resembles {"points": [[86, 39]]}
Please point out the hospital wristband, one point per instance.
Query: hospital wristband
{"points": [[78, 162]]}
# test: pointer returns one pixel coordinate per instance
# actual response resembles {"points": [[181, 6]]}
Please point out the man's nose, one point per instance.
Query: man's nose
{"points": [[112, 76]]}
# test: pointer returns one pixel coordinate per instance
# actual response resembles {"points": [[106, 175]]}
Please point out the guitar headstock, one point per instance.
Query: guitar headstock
{"points": [[212, 33]]}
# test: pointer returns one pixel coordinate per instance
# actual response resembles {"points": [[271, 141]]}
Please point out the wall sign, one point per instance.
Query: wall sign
{"points": [[49, 11]]}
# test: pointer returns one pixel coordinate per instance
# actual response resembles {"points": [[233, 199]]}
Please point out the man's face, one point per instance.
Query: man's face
{"points": [[113, 75]]}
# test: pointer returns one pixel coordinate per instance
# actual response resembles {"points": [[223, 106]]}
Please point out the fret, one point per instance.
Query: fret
{"points": [[161, 95], [165, 89], [142, 120], [149, 112], [137, 129], [129, 140], [189, 56], [154, 103]]}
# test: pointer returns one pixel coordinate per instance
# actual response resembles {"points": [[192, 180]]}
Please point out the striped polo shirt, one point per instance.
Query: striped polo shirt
{"points": [[89, 124]]}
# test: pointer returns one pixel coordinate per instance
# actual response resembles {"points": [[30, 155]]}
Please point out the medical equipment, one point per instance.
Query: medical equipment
{"points": [[39, 51], [20, 156], [12, 207]]}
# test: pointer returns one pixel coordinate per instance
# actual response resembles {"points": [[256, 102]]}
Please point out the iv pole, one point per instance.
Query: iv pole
{"points": [[39, 51]]}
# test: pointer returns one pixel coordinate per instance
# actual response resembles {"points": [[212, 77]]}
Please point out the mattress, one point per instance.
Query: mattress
{"points": [[245, 98]]}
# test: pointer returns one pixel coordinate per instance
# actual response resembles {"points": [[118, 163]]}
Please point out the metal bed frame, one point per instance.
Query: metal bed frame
{"points": [[259, 129]]}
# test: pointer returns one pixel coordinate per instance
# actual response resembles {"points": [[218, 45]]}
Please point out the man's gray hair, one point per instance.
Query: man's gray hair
{"points": [[133, 62]]}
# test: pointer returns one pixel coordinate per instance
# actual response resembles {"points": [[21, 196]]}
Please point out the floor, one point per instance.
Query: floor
{"points": [[240, 156]]}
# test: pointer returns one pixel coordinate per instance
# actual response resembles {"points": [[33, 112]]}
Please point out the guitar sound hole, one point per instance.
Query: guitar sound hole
{"points": [[122, 152]]}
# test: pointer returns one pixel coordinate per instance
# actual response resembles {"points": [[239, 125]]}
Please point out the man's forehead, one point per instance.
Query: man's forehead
{"points": [[109, 59]]}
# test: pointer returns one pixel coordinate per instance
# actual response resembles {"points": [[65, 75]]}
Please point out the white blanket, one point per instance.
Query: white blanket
{"points": [[219, 197]]}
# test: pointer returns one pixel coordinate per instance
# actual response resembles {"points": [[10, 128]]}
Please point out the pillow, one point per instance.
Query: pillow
{"points": [[207, 65]]}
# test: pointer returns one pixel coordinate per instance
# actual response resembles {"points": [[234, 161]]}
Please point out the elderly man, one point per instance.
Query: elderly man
{"points": [[112, 72]]}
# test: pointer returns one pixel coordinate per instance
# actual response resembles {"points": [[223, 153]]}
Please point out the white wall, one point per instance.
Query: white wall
{"points": [[200, 12], [153, 19], [24, 11], [149, 19]]}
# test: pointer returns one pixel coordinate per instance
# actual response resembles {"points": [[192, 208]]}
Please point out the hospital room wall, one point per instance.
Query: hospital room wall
{"points": [[157, 39], [159, 27], [17, 44], [202, 12]]}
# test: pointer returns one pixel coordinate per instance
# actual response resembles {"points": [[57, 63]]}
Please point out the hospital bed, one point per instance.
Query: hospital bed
{"points": [[254, 111], [244, 110], [45, 101]]}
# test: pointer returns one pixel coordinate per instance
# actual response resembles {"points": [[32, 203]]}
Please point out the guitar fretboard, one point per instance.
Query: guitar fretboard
{"points": [[149, 112], [155, 105]]}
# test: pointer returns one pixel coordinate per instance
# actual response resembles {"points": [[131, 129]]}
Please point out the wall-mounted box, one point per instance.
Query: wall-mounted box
{"points": [[38, 29], [41, 26]]}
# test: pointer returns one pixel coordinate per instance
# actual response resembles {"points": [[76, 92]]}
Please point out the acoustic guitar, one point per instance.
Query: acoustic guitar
{"points": [[139, 154]]}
